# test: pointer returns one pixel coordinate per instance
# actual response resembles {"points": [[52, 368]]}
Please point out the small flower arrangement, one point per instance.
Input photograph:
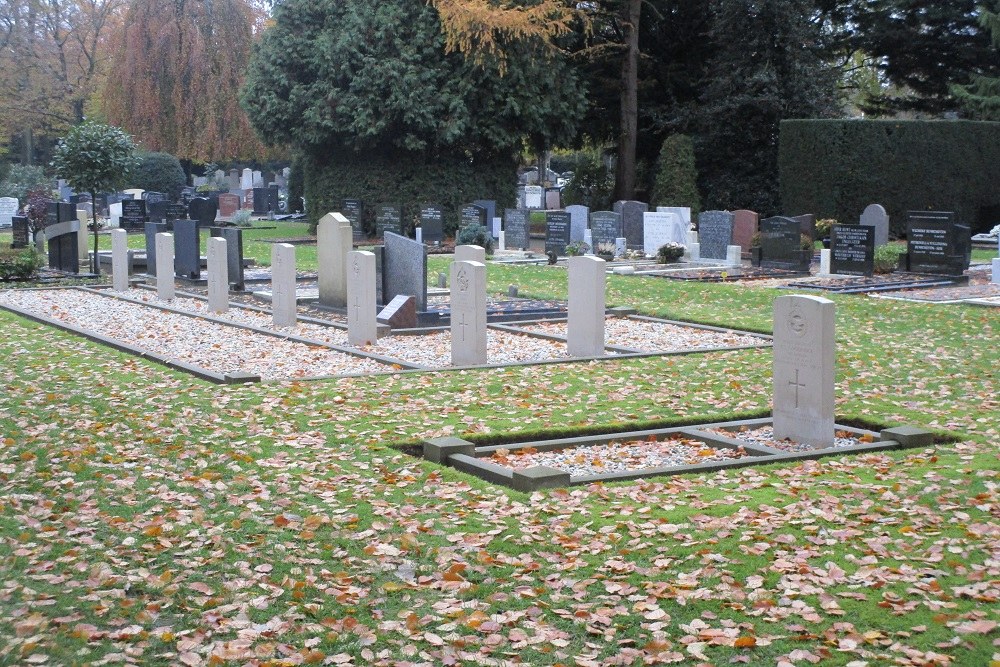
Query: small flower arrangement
{"points": [[605, 250], [669, 252], [577, 248]]}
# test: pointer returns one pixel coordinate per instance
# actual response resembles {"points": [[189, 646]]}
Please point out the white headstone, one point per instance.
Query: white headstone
{"points": [[165, 266], [418, 234], [258, 180], [693, 252], [468, 313], [875, 216], [135, 192], [585, 310], [470, 253], [8, 209], [661, 228], [620, 246], [824, 262], [495, 229], [995, 266], [83, 236], [734, 255], [804, 358], [218, 275], [283, 297], [683, 212], [119, 260], [246, 179], [114, 215], [588, 239], [502, 240], [362, 325], [534, 196], [334, 240]]}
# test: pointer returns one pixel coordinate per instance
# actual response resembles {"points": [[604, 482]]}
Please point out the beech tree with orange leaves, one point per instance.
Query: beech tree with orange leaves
{"points": [[175, 76]]}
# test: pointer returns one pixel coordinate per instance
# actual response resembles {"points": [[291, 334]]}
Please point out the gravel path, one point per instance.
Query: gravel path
{"points": [[626, 456], [764, 435], [649, 336]]}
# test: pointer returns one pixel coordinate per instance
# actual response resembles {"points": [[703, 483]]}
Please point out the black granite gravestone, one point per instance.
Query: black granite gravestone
{"points": [[388, 218], [515, 227], [151, 229], [353, 210], [852, 250], [432, 224], [780, 242], [260, 201], [605, 228], [62, 240], [473, 214], [59, 211], [134, 216], [19, 226], [936, 244], [557, 229], [187, 249]]}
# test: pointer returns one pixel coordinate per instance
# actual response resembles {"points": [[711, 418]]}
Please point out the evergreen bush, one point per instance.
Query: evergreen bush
{"points": [[159, 172], [21, 179], [676, 176], [19, 264], [474, 234]]}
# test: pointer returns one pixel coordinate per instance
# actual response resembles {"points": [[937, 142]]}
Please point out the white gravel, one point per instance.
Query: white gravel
{"points": [[626, 456], [764, 435], [647, 336]]}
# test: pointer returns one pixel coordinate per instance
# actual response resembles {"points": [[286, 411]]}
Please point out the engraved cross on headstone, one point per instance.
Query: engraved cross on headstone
{"points": [[795, 383], [462, 323]]}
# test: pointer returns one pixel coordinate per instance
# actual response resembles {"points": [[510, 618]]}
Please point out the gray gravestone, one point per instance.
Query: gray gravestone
{"points": [[218, 275], [875, 216], [334, 240], [807, 224], [468, 313], [578, 216], [234, 254], [631, 212], [557, 230], [187, 249], [781, 246], [585, 309], [151, 230], [516, 226], [283, 296], [553, 199], [404, 269], [470, 253], [715, 233], [119, 260], [852, 250], [804, 358], [362, 325], [431, 224]]}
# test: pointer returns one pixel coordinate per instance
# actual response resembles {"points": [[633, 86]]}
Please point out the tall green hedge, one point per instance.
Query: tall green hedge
{"points": [[835, 168], [409, 179]]}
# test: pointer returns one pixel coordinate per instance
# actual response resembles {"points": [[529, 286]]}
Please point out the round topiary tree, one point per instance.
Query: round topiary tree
{"points": [[676, 176], [159, 172], [94, 157], [379, 110]]}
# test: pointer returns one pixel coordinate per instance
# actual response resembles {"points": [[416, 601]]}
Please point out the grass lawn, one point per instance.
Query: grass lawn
{"points": [[150, 517]]}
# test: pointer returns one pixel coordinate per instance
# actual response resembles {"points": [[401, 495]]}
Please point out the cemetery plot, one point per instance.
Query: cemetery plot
{"points": [[864, 285], [527, 466], [646, 335], [723, 274]]}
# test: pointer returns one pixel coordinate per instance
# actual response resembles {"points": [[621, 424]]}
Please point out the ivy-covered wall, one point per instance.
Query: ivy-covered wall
{"points": [[408, 179], [835, 168]]}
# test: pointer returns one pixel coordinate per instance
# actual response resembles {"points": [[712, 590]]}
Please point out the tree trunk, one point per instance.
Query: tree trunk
{"points": [[625, 168]]}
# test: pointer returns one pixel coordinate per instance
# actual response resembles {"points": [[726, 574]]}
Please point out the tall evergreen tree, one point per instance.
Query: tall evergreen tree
{"points": [[768, 66], [981, 99]]}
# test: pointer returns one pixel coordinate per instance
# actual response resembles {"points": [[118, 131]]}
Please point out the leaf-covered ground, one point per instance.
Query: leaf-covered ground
{"points": [[147, 517]]}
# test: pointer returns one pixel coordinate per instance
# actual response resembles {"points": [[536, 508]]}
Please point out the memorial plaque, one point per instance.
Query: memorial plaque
{"points": [[715, 233], [780, 243], [605, 227], [133, 216], [515, 226], [852, 250], [353, 210], [473, 215], [432, 224], [557, 231], [388, 219]]}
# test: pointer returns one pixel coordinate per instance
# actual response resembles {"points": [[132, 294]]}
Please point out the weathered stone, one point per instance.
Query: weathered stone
{"points": [[585, 309]]}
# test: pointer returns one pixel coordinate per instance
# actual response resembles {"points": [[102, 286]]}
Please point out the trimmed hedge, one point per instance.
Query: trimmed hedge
{"points": [[409, 179], [19, 264], [835, 168]]}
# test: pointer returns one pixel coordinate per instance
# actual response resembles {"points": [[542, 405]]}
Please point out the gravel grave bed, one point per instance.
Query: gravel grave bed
{"points": [[192, 340], [613, 457], [648, 336], [764, 435]]}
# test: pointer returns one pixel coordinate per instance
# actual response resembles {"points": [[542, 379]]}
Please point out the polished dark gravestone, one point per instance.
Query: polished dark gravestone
{"points": [[432, 224], [473, 214], [62, 240], [203, 210], [133, 216], [936, 244], [557, 232], [58, 211], [388, 218], [605, 227], [516, 228], [404, 269], [353, 210], [780, 242], [19, 227], [187, 250], [234, 254], [852, 250]]}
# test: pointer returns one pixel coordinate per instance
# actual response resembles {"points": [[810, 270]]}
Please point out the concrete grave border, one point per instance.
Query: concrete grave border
{"points": [[465, 456]]}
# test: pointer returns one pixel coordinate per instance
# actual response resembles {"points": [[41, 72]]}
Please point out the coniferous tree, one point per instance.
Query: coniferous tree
{"points": [[676, 177], [981, 99]]}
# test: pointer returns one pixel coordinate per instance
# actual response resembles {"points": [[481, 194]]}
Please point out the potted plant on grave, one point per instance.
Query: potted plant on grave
{"points": [[806, 245], [823, 228], [577, 248], [605, 251], [669, 252]]}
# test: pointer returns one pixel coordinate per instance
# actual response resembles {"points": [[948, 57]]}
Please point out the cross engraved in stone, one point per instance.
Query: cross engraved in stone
{"points": [[463, 324], [795, 383], [357, 309]]}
